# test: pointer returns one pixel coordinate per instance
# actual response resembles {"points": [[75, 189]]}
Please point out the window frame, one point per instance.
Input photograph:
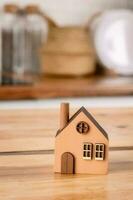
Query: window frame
{"points": [[87, 150], [99, 151], [83, 131]]}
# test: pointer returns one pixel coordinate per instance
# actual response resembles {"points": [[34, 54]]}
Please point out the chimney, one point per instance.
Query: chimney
{"points": [[64, 114]]}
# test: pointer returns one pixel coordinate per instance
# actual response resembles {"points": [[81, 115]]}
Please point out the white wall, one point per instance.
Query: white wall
{"points": [[66, 12]]}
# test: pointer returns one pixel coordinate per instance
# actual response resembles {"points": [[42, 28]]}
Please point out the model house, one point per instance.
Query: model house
{"points": [[81, 144]]}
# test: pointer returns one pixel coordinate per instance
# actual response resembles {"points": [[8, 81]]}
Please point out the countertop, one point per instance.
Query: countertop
{"points": [[27, 132]]}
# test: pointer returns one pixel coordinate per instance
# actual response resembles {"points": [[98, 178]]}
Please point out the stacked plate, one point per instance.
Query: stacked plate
{"points": [[113, 40]]}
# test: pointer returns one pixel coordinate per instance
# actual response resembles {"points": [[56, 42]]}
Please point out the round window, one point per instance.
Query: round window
{"points": [[82, 127]]}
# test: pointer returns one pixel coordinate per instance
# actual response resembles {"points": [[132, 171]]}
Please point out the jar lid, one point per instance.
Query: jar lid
{"points": [[31, 9], [11, 8], [21, 12], [113, 41]]}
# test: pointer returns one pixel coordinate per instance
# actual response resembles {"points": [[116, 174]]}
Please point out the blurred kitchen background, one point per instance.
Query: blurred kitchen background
{"points": [[58, 48]]}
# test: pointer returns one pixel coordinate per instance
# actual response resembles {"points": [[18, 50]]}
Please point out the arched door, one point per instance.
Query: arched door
{"points": [[67, 163]]}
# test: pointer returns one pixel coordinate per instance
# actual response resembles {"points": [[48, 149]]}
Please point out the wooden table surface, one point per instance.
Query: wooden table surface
{"points": [[27, 156]]}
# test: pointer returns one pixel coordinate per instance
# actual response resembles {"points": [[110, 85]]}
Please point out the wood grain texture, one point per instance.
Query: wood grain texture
{"points": [[67, 163], [27, 173], [29, 130], [70, 87], [93, 86], [36, 181]]}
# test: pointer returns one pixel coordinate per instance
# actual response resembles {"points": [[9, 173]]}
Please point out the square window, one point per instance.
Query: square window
{"points": [[87, 151], [99, 153]]}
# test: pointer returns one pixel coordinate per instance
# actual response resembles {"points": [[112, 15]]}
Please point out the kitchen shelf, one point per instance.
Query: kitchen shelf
{"points": [[70, 87]]}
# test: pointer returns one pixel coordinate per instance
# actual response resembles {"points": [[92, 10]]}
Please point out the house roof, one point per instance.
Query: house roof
{"points": [[82, 109]]}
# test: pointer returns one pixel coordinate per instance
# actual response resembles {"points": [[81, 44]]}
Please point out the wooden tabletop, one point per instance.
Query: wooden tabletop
{"points": [[27, 157]]}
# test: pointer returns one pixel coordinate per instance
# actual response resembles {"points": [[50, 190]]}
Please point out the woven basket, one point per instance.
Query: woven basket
{"points": [[68, 51]]}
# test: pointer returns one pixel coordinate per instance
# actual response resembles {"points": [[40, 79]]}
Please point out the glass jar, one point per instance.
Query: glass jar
{"points": [[22, 71], [38, 30], [9, 16]]}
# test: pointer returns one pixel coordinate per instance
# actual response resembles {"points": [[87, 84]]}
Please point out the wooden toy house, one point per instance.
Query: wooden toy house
{"points": [[81, 144]]}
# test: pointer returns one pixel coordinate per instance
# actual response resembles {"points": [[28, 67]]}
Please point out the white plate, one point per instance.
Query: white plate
{"points": [[114, 40]]}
